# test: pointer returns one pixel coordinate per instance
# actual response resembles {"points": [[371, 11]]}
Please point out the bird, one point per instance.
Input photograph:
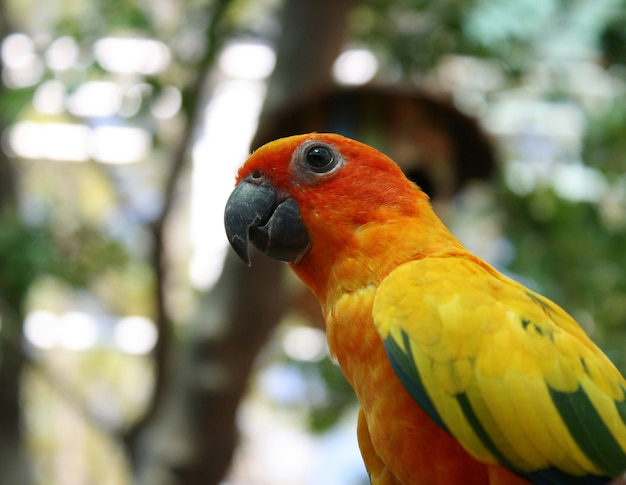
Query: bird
{"points": [[463, 375]]}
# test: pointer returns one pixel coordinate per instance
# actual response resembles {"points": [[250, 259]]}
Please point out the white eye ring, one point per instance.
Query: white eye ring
{"points": [[315, 159]]}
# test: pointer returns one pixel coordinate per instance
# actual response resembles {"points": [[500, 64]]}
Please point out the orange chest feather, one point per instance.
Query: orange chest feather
{"points": [[413, 448]]}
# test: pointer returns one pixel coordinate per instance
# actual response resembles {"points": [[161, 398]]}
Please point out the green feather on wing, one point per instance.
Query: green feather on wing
{"points": [[508, 373]]}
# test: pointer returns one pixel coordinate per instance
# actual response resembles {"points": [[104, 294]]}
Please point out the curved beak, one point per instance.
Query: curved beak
{"points": [[254, 213]]}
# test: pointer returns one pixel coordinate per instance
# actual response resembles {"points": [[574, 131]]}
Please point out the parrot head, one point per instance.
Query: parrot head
{"points": [[315, 199]]}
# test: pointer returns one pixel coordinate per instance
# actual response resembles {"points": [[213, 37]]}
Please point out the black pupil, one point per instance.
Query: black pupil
{"points": [[320, 158]]}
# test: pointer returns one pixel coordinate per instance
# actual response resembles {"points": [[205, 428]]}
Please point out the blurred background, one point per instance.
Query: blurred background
{"points": [[134, 348]]}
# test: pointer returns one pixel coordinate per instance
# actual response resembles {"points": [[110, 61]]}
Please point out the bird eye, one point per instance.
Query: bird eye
{"points": [[320, 159]]}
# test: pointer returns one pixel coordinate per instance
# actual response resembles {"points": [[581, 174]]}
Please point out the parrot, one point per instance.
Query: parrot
{"points": [[463, 375]]}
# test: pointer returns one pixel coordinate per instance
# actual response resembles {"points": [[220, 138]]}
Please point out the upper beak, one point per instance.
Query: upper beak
{"points": [[254, 213]]}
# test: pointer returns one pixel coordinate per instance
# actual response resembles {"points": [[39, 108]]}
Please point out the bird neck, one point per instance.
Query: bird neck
{"points": [[348, 259]]}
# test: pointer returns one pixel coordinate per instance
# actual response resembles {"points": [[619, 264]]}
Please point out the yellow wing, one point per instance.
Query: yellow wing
{"points": [[507, 372]]}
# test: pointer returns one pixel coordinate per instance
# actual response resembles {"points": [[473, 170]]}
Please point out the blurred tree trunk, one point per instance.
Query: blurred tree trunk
{"points": [[194, 435], [192, 440], [313, 33], [162, 354], [14, 466]]}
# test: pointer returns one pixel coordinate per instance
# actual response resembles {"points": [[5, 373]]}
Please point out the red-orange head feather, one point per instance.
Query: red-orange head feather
{"points": [[356, 205]]}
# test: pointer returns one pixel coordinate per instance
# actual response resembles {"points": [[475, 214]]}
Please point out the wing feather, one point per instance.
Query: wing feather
{"points": [[507, 372], [522, 449]]}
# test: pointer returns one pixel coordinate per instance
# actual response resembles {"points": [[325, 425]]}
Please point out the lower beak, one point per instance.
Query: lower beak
{"points": [[255, 214]]}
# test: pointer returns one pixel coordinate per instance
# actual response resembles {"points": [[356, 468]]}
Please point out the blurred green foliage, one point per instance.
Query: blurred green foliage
{"points": [[24, 253], [568, 252], [13, 102], [413, 35], [329, 395], [613, 40], [97, 19], [28, 252], [605, 144]]}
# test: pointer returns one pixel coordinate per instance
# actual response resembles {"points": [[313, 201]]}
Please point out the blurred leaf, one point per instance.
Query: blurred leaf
{"points": [[24, 253], [605, 144], [27, 252], [413, 35], [13, 103], [325, 409], [85, 253], [613, 41], [95, 19]]}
